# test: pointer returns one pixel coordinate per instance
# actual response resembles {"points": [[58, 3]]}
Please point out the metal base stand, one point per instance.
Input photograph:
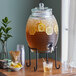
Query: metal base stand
{"points": [[56, 58], [29, 64], [35, 68]]}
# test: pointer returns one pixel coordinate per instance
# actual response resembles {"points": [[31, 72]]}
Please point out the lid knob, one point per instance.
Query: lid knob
{"points": [[41, 5]]}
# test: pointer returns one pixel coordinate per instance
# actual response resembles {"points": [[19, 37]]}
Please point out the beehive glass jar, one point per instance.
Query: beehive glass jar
{"points": [[41, 28]]}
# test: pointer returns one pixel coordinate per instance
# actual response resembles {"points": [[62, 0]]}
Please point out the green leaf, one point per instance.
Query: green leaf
{"points": [[4, 24], [3, 29], [9, 35], [9, 22], [0, 34], [8, 29], [6, 19], [0, 29], [4, 35], [5, 38], [2, 40]]}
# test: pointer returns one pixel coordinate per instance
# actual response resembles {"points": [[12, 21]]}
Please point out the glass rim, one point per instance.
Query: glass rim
{"points": [[48, 62]]}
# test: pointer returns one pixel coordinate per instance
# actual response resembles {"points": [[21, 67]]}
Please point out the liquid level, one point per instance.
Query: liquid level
{"points": [[47, 69], [40, 40]]}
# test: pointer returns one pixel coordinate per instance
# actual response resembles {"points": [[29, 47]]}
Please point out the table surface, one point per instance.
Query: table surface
{"points": [[29, 71]]}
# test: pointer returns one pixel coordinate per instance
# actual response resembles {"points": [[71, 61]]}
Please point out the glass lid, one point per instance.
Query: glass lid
{"points": [[41, 9]]}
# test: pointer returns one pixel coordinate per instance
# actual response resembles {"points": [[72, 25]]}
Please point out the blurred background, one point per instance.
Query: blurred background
{"points": [[18, 12]]}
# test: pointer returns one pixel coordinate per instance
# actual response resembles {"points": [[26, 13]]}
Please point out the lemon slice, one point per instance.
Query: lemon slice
{"points": [[41, 27], [17, 66], [49, 30], [56, 29], [32, 30]]}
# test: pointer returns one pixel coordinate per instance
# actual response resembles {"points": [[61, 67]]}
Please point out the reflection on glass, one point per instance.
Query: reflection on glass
{"points": [[66, 68]]}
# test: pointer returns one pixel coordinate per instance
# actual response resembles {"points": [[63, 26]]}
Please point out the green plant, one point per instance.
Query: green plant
{"points": [[4, 30]]}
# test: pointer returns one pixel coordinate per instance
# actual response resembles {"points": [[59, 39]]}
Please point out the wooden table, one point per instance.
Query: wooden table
{"points": [[29, 71]]}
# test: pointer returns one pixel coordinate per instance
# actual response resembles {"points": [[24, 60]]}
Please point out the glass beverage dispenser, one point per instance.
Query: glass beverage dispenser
{"points": [[42, 30]]}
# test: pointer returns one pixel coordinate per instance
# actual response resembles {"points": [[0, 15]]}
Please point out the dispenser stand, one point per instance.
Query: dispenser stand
{"points": [[29, 64], [56, 58], [35, 68]]}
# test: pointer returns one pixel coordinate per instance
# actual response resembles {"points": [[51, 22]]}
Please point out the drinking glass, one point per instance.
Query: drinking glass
{"points": [[47, 66], [66, 67], [22, 54]]}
